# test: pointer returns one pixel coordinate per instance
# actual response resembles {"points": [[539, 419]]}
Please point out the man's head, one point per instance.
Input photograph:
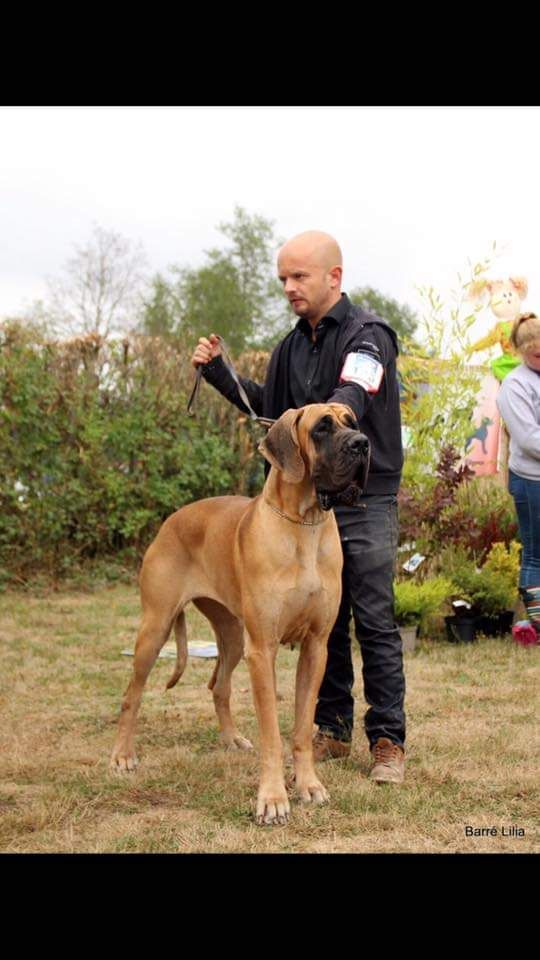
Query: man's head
{"points": [[310, 270]]}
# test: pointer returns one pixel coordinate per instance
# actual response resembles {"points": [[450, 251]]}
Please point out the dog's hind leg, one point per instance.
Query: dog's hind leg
{"points": [[161, 604], [229, 633], [153, 634]]}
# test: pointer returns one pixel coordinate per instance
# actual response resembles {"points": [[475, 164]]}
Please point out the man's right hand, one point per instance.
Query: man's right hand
{"points": [[206, 350]]}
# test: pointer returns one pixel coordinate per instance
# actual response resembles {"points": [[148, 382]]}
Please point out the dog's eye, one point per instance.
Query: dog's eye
{"points": [[349, 422], [323, 426]]}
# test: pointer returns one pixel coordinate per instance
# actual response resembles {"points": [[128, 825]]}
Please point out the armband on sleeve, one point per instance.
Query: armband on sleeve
{"points": [[363, 369]]}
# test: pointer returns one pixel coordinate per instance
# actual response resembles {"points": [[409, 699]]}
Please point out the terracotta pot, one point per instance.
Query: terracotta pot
{"points": [[408, 638]]}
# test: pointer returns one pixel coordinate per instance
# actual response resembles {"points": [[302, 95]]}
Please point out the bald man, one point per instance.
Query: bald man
{"points": [[338, 353]]}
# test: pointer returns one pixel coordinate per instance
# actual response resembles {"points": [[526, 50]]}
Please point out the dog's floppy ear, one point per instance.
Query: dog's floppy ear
{"points": [[282, 449]]}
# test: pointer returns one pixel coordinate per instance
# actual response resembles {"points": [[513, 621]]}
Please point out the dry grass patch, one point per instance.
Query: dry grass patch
{"points": [[472, 749]]}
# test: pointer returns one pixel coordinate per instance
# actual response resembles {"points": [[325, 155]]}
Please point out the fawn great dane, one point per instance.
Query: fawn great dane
{"points": [[264, 571]]}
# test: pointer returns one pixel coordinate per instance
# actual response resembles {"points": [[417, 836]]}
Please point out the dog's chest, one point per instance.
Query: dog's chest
{"points": [[305, 583], [301, 599]]}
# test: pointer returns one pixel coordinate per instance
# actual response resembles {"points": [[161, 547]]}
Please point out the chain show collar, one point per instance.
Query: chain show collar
{"points": [[304, 523]]}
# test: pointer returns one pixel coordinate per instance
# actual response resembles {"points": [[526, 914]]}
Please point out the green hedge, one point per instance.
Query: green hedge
{"points": [[96, 448]]}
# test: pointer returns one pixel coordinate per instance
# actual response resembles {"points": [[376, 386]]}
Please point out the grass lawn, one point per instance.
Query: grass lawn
{"points": [[473, 755]]}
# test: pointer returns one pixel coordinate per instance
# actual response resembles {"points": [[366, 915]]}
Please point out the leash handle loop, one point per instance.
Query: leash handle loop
{"points": [[194, 392], [264, 421]]}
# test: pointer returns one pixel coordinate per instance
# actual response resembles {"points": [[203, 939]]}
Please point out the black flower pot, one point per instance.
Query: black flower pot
{"points": [[498, 625], [488, 626], [506, 620], [461, 629]]}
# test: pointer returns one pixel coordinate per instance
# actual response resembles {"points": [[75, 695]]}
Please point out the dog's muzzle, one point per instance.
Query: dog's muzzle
{"points": [[349, 495]]}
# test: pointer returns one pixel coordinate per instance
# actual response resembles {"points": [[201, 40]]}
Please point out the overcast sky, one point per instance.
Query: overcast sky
{"points": [[410, 193]]}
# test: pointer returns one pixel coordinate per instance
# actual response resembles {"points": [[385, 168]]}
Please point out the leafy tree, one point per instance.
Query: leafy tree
{"points": [[161, 308], [212, 302], [234, 293], [253, 251], [400, 316]]}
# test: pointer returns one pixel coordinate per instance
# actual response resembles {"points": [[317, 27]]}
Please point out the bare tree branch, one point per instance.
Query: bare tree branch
{"points": [[101, 288]]}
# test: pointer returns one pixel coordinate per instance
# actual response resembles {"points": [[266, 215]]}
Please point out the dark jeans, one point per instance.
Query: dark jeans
{"points": [[526, 494], [369, 536]]}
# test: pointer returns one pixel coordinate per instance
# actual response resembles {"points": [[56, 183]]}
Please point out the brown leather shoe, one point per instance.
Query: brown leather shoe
{"points": [[389, 762], [326, 747]]}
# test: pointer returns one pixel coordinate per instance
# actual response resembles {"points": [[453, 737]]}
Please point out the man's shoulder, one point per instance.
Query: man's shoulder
{"points": [[358, 320]]}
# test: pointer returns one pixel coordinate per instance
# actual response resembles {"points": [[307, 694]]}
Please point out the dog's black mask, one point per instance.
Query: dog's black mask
{"points": [[350, 497], [343, 463]]}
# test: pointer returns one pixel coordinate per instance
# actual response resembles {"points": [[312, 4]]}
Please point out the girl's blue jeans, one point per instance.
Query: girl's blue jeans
{"points": [[526, 494]]}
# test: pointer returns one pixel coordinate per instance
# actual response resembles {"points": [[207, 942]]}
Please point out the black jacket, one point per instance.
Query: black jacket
{"points": [[378, 414]]}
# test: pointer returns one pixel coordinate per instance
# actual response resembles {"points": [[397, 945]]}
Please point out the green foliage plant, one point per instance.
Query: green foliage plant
{"points": [[481, 517], [459, 509], [490, 589], [415, 602], [440, 386], [504, 561], [96, 449]]}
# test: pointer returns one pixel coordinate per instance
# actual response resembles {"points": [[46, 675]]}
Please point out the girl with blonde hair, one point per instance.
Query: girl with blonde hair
{"points": [[518, 401]]}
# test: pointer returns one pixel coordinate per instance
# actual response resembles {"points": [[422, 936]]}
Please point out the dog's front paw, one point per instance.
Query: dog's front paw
{"points": [[236, 742], [123, 761], [312, 791], [273, 807]]}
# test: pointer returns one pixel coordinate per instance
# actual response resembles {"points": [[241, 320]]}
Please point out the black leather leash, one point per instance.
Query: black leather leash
{"points": [[264, 421], [352, 493]]}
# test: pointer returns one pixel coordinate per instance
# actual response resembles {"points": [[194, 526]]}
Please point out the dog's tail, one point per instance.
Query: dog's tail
{"points": [[180, 634]]}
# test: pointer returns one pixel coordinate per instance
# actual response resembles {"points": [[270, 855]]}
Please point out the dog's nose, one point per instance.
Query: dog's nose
{"points": [[360, 446]]}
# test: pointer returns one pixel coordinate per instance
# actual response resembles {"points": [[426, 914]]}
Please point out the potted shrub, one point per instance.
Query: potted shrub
{"points": [[415, 602], [457, 511], [487, 594], [504, 563], [407, 611]]}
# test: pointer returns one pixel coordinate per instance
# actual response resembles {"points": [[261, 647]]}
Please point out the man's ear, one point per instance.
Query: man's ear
{"points": [[336, 273], [282, 449]]}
